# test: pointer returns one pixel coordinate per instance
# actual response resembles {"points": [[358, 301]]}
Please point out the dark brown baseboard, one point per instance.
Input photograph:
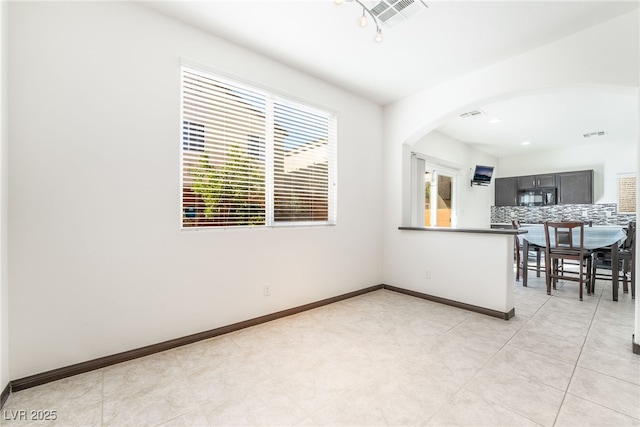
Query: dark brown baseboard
{"points": [[5, 395], [457, 304], [91, 365], [636, 346], [102, 362]]}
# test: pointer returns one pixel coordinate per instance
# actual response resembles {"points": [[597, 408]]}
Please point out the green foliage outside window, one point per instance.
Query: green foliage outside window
{"points": [[232, 193]]}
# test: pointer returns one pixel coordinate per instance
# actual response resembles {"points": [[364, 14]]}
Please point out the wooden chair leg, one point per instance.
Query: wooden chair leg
{"points": [[581, 280], [633, 278], [518, 266], [625, 271], [591, 261], [547, 269], [629, 277], [594, 275], [594, 272], [587, 277]]}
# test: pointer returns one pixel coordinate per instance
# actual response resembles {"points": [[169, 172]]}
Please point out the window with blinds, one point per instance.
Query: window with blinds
{"points": [[251, 158]]}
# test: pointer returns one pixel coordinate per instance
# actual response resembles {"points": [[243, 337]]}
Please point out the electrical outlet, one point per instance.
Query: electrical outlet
{"points": [[428, 274], [266, 289]]}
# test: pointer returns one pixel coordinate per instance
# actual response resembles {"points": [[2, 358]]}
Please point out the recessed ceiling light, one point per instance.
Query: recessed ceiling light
{"points": [[526, 142], [494, 121]]}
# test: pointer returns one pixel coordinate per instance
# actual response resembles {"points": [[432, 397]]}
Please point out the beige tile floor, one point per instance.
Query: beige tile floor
{"points": [[379, 359]]}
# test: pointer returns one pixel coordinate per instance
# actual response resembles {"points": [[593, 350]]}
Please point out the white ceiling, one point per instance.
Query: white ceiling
{"points": [[547, 121], [444, 41]]}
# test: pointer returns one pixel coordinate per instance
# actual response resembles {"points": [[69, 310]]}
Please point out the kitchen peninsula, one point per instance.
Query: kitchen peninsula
{"points": [[469, 278]]}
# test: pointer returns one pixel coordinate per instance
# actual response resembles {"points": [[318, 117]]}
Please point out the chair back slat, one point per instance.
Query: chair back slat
{"points": [[563, 234], [564, 238]]}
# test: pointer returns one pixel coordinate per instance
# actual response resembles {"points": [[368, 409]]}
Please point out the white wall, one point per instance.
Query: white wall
{"points": [[4, 173], [98, 262], [457, 271], [608, 160], [473, 203], [564, 63]]}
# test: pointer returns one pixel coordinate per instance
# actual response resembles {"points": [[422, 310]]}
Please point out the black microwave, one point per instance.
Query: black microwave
{"points": [[540, 197]]}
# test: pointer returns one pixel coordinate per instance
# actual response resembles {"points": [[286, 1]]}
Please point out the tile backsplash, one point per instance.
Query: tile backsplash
{"points": [[602, 214]]}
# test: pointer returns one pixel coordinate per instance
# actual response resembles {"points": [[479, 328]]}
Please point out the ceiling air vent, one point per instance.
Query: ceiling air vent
{"points": [[472, 113], [594, 134], [390, 12]]}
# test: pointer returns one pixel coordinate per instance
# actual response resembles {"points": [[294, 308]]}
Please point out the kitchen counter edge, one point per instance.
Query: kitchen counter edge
{"points": [[510, 232]]}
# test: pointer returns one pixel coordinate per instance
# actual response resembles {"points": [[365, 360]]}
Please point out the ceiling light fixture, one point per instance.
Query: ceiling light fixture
{"points": [[363, 19], [378, 36], [526, 142], [387, 12]]}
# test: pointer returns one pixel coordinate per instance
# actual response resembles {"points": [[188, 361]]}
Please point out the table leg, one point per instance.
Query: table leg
{"points": [[525, 261], [615, 270]]}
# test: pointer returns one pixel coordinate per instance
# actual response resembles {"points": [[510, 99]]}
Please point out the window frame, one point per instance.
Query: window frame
{"points": [[267, 152]]}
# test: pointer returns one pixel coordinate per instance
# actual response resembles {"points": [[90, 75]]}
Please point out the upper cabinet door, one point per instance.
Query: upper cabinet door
{"points": [[526, 182], [531, 182], [575, 187], [506, 191], [546, 181]]}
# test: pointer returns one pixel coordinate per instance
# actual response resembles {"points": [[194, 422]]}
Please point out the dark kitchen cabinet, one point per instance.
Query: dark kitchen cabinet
{"points": [[531, 182], [506, 191], [575, 187]]}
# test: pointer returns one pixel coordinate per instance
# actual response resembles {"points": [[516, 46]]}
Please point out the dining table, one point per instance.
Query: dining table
{"points": [[595, 237]]}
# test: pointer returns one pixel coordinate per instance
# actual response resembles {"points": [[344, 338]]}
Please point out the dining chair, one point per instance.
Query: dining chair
{"points": [[561, 245], [588, 223], [626, 262], [521, 260]]}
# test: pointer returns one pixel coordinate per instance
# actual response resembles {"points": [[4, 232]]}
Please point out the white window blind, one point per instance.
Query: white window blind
{"points": [[251, 158]]}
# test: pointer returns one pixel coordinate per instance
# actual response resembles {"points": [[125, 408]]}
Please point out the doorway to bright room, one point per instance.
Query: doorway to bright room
{"points": [[438, 199]]}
